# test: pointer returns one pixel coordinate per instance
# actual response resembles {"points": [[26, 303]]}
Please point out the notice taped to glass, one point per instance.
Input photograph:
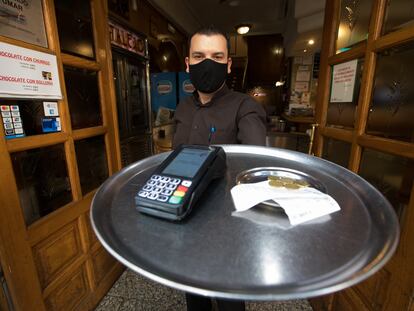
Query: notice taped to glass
{"points": [[23, 20], [28, 73], [343, 82]]}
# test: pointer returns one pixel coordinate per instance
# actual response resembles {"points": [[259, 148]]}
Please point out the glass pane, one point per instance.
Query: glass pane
{"points": [[399, 14], [83, 97], [43, 188], [75, 27], [30, 117], [336, 151], [391, 175], [354, 23], [92, 163], [342, 114], [391, 113]]}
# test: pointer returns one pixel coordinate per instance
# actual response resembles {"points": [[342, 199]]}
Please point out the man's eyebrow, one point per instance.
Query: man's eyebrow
{"points": [[197, 53]]}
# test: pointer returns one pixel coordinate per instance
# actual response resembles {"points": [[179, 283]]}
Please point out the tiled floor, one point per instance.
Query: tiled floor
{"points": [[134, 292]]}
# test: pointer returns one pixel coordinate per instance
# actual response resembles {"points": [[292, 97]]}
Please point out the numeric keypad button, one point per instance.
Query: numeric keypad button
{"points": [[147, 188], [171, 186], [143, 194], [162, 198], [152, 196]]}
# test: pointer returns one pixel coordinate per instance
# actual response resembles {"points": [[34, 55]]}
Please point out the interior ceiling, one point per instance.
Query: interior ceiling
{"points": [[265, 16], [297, 20]]}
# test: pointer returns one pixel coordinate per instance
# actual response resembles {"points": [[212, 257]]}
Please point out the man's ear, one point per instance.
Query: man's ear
{"points": [[229, 62], [187, 64]]}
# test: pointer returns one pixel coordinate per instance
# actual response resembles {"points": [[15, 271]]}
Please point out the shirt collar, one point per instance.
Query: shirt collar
{"points": [[221, 92]]}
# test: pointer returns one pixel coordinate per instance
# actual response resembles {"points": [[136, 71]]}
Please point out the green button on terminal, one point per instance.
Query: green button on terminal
{"points": [[175, 200]]}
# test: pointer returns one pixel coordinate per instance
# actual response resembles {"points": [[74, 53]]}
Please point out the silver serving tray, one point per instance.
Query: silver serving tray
{"points": [[213, 253]]}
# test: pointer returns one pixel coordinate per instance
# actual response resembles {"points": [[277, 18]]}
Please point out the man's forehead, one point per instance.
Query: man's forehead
{"points": [[216, 42]]}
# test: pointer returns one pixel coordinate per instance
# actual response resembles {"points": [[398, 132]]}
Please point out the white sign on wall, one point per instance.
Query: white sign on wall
{"points": [[23, 20], [343, 82], [26, 73]]}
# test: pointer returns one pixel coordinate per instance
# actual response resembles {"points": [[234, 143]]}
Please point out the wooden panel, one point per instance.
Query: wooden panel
{"points": [[321, 303], [79, 62], [393, 38], [41, 229], [91, 235], [16, 255], [373, 291], [354, 53], [35, 141], [340, 134], [70, 293], [89, 132], [348, 301], [328, 47], [403, 149], [57, 252], [102, 263], [3, 301]]}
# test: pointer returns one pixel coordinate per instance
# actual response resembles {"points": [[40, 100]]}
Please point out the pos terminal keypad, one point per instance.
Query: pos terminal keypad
{"points": [[165, 189], [178, 182]]}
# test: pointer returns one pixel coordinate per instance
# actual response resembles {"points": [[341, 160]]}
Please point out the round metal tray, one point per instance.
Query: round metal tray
{"points": [[216, 254]]}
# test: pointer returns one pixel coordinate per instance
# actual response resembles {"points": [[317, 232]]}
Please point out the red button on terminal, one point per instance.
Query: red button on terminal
{"points": [[182, 188]]}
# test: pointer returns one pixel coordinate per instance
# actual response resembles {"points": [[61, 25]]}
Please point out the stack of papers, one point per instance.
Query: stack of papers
{"points": [[300, 205]]}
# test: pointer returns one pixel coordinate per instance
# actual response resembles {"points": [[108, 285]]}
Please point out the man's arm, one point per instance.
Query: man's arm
{"points": [[251, 123]]}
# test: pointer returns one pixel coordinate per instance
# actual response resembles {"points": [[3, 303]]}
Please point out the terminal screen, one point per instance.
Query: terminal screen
{"points": [[187, 162]]}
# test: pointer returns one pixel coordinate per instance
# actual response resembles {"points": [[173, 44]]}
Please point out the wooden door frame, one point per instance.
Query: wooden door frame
{"points": [[17, 239]]}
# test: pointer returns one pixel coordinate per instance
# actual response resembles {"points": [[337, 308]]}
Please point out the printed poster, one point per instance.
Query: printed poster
{"points": [[343, 82], [26, 73], [23, 20], [302, 75], [301, 87]]}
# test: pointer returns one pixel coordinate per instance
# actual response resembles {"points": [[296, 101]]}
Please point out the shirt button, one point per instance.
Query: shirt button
{"points": [[195, 127]]}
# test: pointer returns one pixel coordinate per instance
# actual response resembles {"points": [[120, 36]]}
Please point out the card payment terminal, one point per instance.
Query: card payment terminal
{"points": [[178, 182]]}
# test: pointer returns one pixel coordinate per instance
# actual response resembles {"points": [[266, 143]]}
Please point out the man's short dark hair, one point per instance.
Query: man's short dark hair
{"points": [[210, 30]]}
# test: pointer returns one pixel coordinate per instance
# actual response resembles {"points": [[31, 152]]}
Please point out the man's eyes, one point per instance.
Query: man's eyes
{"points": [[215, 57]]}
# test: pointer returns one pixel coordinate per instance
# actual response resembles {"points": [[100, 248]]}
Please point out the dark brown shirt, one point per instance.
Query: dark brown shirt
{"points": [[229, 118]]}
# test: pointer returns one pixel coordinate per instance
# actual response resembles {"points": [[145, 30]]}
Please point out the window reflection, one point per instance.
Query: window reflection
{"points": [[336, 151], [399, 14], [92, 162], [342, 115], [354, 23], [42, 187], [83, 97], [74, 20], [391, 113], [391, 175]]}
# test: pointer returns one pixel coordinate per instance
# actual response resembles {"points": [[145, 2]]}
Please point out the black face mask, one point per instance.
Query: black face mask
{"points": [[208, 76]]}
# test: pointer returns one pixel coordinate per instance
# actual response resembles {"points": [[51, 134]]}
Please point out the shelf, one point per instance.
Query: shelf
{"points": [[298, 119]]}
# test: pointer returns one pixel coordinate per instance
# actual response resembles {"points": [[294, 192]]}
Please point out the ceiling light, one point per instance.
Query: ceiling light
{"points": [[243, 29], [234, 3], [311, 42], [305, 50]]}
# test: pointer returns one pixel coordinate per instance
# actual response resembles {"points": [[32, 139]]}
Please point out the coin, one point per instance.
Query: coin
{"points": [[289, 183]]}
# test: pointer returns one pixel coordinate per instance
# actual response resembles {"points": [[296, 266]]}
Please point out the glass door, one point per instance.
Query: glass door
{"points": [[130, 78]]}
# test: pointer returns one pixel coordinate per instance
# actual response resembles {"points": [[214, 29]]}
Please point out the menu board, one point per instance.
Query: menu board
{"points": [[26, 73]]}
